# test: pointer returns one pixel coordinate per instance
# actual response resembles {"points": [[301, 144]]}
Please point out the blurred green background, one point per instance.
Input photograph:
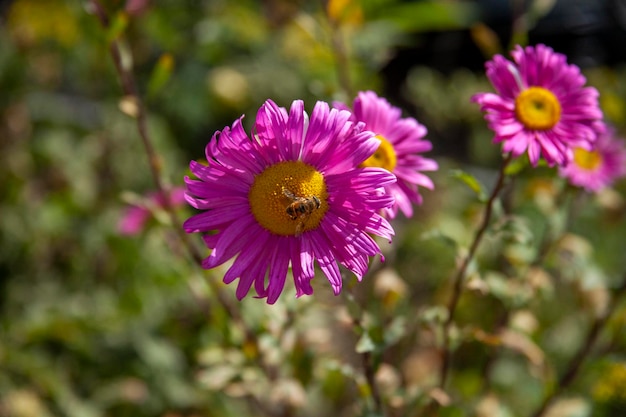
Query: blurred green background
{"points": [[97, 323]]}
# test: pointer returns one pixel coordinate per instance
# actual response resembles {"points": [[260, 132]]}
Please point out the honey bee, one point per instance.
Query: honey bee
{"points": [[301, 208]]}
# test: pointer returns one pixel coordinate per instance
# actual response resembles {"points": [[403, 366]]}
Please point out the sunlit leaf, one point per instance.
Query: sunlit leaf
{"points": [[575, 407], [514, 229], [118, 25], [515, 341], [217, 377], [161, 73], [517, 165], [471, 181], [394, 331], [430, 15], [492, 406], [486, 39], [129, 105], [365, 343]]}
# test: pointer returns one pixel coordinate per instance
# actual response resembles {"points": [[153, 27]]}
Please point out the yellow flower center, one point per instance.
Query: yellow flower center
{"points": [[588, 160], [289, 198], [384, 157], [537, 108]]}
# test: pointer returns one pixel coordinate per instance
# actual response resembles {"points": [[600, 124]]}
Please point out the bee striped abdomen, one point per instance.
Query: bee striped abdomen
{"points": [[300, 208]]}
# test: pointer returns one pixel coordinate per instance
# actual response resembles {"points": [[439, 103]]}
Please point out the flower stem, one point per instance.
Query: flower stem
{"points": [[520, 23], [551, 235], [457, 288], [342, 61], [130, 90], [433, 405], [571, 372], [356, 314]]}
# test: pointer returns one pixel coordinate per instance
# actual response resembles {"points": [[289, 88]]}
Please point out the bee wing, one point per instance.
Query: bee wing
{"points": [[289, 194]]}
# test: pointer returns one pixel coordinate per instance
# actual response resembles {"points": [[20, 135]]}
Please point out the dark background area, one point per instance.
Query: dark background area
{"points": [[591, 33]]}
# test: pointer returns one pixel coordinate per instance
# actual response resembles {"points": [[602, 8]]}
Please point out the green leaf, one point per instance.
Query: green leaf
{"points": [[433, 315], [471, 181], [516, 165], [514, 229], [117, 27], [365, 344], [161, 74], [430, 15], [395, 331], [439, 235]]}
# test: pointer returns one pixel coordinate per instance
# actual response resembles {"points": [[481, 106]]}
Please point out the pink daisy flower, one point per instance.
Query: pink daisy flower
{"points": [[401, 142], [135, 217], [541, 106], [598, 168], [290, 194]]}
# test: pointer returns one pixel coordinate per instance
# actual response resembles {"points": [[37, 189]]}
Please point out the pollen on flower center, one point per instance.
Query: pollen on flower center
{"points": [[537, 108], [588, 160], [384, 157], [288, 185]]}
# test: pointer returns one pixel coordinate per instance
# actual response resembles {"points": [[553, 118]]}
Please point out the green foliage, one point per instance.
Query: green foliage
{"points": [[430, 15], [95, 323], [471, 182]]}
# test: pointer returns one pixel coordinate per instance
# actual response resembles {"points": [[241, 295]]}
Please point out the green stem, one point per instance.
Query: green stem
{"points": [[431, 408], [342, 61], [457, 288], [367, 360], [129, 88]]}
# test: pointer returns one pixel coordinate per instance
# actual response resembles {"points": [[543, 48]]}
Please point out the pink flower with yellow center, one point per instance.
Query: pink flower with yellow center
{"points": [[292, 194], [540, 106], [401, 145], [599, 167]]}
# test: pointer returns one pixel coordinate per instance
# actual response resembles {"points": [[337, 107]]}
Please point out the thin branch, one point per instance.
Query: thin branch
{"points": [[433, 405], [549, 238], [367, 360], [129, 88], [460, 276], [342, 61], [492, 356], [520, 23]]}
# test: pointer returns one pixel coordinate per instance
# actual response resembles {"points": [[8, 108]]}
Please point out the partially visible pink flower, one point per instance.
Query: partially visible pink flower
{"points": [[598, 168], [541, 105], [136, 7], [287, 197], [136, 216], [401, 143]]}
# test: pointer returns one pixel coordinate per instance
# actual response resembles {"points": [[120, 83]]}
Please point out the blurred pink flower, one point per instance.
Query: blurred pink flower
{"points": [[401, 143], [135, 217], [136, 7], [598, 168], [540, 105]]}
